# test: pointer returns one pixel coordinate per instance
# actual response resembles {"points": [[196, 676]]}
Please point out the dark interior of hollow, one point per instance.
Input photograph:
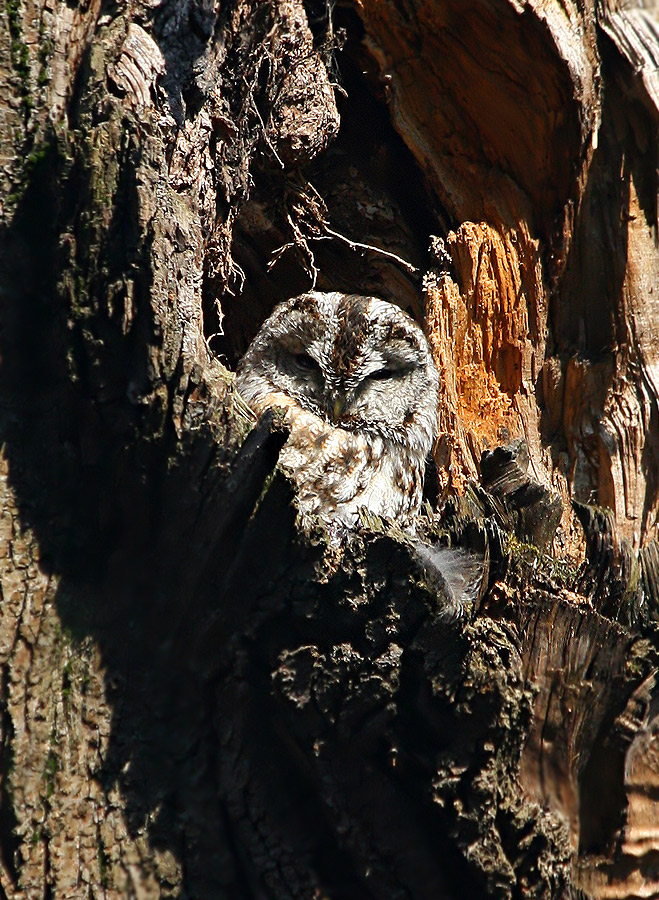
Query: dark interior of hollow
{"points": [[374, 192]]}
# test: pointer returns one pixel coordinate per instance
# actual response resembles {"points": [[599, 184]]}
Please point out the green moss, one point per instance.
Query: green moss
{"points": [[50, 770], [520, 550], [12, 15], [67, 683], [44, 54], [40, 157], [14, 197], [103, 865], [527, 559], [63, 632], [20, 56]]}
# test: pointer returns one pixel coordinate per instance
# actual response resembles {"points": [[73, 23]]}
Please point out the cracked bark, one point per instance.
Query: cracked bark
{"points": [[198, 699]]}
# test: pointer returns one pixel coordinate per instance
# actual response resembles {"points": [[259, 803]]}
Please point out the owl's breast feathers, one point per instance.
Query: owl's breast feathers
{"points": [[338, 471]]}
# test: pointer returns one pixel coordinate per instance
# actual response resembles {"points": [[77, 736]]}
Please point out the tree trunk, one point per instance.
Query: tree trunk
{"points": [[199, 697]]}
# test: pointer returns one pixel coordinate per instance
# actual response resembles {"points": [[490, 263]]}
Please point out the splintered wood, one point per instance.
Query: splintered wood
{"points": [[480, 337], [139, 64]]}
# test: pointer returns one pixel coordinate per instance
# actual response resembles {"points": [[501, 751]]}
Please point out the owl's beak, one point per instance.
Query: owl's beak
{"points": [[336, 405]]}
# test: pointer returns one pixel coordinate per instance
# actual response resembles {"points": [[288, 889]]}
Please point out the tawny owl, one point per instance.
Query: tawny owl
{"points": [[357, 381]]}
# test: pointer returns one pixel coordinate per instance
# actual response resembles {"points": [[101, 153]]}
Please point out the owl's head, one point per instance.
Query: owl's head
{"points": [[360, 363]]}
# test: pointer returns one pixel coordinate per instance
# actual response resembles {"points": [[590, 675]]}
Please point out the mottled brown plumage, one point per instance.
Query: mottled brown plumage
{"points": [[359, 387]]}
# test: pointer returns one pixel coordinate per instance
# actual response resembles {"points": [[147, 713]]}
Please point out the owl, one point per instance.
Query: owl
{"points": [[358, 385]]}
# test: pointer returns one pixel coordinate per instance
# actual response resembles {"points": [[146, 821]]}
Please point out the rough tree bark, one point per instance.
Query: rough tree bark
{"points": [[198, 699]]}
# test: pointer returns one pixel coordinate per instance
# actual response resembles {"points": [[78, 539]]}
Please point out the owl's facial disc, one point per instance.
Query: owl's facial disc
{"points": [[358, 363]]}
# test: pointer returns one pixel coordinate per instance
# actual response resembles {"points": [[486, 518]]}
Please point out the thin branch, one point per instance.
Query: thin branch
{"points": [[358, 245]]}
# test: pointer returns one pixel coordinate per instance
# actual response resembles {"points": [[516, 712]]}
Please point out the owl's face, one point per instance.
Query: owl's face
{"points": [[359, 363]]}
